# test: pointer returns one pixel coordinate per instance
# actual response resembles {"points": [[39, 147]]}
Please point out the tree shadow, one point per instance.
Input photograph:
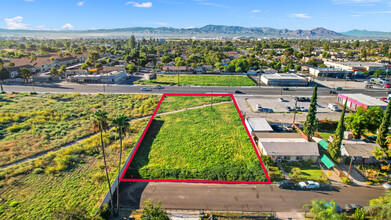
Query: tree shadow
{"points": [[130, 194], [140, 158]]}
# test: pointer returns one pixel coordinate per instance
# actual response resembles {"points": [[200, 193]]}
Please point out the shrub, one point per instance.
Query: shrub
{"points": [[14, 128], [50, 170], [346, 180], [14, 204], [33, 93], [98, 177], [38, 170], [368, 182]]}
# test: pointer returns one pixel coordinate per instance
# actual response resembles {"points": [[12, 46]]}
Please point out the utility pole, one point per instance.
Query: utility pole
{"points": [[178, 78], [350, 166], [294, 115]]}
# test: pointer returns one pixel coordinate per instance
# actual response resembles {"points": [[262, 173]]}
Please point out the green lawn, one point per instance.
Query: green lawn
{"points": [[198, 144], [306, 172], [201, 80], [325, 135]]}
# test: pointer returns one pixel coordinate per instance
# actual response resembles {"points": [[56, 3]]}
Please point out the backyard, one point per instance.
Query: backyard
{"points": [[201, 80], [214, 147]]}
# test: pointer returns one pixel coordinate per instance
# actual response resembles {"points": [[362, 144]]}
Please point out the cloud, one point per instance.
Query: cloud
{"points": [[41, 27], [67, 26], [81, 3], [190, 27], [299, 16], [255, 11], [203, 2], [15, 23], [140, 5]]}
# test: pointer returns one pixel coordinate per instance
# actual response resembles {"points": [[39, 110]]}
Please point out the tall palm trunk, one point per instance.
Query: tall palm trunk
{"points": [[107, 173], [119, 167]]}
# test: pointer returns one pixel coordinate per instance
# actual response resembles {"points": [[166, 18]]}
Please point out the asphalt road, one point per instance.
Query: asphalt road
{"points": [[65, 87], [239, 197]]}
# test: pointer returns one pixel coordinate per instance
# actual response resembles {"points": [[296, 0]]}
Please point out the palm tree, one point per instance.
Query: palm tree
{"points": [[122, 125], [100, 124]]}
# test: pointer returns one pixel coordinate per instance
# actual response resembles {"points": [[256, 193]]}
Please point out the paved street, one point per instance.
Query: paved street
{"points": [[239, 197], [65, 87]]}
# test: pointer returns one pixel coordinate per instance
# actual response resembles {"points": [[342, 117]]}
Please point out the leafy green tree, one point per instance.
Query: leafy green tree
{"points": [[364, 119], [93, 56], [25, 74], [100, 122], [131, 68], [54, 72], [298, 68], [132, 42], [378, 73], [335, 148], [384, 128], [153, 212], [121, 123], [166, 59], [63, 68], [179, 61], [311, 122], [323, 210], [322, 66], [363, 54], [4, 74], [380, 208]]}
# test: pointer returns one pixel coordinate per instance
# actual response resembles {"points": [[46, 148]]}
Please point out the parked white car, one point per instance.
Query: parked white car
{"points": [[309, 185], [387, 185]]}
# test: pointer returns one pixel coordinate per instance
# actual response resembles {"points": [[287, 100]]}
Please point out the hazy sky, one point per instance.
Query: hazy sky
{"points": [[337, 15]]}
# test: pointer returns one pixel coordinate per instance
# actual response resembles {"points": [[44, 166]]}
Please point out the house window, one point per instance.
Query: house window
{"points": [[287, 158], [299, 158]]}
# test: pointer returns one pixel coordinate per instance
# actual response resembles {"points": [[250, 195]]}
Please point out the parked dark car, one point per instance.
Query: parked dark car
{"points": [[239, 92], [288, 108], [352, 207], [333, 92], [297, 98], [276, 128], [337, 207], [287, 184]]}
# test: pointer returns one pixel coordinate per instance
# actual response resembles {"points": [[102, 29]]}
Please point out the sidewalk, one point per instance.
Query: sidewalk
{"points": [[283, 171], [290, 215], [334, 179]]}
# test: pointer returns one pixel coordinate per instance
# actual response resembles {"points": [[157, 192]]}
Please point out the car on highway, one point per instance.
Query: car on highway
{"points": [[287, 184], [309, 185], [280, 99], [352, 207], [288, 108], [239, 92], [145, 89], [387, 185], [333, 92], [285, 88], [158, 87]]}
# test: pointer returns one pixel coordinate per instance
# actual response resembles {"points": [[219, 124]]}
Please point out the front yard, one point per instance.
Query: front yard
{"points": [[303, 171]]}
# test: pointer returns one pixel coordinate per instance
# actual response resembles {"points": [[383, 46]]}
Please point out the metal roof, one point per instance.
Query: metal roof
{"points": [[324, 144], [261, 135], [365, 99], [327, 161], [259, 124]]}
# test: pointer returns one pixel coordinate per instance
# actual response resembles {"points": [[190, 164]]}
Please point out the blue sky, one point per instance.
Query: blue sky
{"points": [[337, 15]]}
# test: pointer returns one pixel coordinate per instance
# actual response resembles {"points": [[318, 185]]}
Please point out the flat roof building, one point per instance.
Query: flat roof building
{"points": [[357, 66], [329, 72], [283, 79], [257, 125], [355, 100]]}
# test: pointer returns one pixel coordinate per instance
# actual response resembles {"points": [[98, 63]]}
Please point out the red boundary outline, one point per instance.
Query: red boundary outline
{"points": [[195, 181]]}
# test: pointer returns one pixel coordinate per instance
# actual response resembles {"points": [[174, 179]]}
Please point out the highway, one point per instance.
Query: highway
{"points": [[66, 87]]}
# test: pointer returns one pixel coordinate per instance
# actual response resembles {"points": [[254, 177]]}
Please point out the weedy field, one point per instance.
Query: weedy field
{"points": [[30, 124], [199, 144], [201, 80], [71, 179]]}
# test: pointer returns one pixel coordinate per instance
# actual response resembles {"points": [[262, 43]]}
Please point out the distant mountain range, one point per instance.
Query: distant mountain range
{"points": [[208, 31]]}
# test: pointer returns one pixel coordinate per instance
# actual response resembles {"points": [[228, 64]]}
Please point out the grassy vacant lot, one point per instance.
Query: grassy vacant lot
{"points": [[30, 124], [201, 80], [198, 144]]}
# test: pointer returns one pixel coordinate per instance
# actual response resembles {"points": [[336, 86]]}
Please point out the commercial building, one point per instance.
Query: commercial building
{"points": [[330, 72], [111, 77], [358, 66], [355, 100], [257, 125], [283, 79]]}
